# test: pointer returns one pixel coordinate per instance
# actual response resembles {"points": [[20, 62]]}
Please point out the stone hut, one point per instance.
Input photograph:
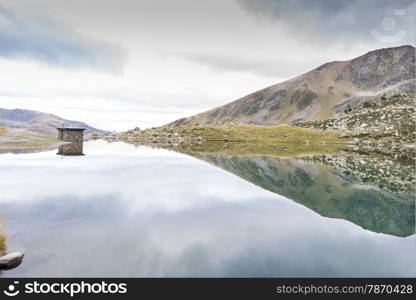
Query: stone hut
{"points": [[71, 134], [75, 137]]}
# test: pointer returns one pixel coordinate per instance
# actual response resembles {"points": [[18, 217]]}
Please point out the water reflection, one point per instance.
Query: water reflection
{"points": [[124, 211], [370, 191], [326, 190], [73, 148]]}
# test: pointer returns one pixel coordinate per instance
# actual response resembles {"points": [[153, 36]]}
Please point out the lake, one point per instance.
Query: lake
{"points": [[124, 210]]}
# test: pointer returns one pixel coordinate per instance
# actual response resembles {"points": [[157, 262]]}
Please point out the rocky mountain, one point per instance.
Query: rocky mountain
{"points": [[40, 122], [325, 92]]}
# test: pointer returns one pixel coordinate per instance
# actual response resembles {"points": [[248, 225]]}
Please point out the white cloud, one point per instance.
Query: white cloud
{"points": [[41, 38]]}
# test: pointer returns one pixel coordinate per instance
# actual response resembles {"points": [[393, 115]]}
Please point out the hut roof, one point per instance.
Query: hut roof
{"points": [[70, 129]]}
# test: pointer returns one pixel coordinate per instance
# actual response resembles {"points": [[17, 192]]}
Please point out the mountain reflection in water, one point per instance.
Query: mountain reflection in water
{"points": [[134, 211], [332, 186], [325, 191]]}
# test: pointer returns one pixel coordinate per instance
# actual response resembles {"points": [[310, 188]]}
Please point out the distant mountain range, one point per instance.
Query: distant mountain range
{"points": [[325, 92], [40, 122]]}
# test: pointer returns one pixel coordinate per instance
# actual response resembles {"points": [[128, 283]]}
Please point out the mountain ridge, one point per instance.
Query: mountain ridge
{"points": [[40, 122], [321, 93]]}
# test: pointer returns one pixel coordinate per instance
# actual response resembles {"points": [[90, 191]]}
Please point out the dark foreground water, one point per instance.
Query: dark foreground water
{"points": [[138, 212]]}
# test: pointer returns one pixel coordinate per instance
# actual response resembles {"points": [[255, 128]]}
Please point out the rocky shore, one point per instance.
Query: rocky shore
{"points": [[385, 125]]}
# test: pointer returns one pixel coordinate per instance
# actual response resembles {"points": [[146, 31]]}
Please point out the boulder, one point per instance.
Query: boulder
{"points": [[11, 260], [367, 143]]}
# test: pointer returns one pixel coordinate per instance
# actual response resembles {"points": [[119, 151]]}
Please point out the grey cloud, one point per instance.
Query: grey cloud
{"points": [[260, 66], [342, 18], [40, 38]]}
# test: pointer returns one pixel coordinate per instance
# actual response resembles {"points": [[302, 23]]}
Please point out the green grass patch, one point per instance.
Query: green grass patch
{"points": [[2, 244], [254, 133]]}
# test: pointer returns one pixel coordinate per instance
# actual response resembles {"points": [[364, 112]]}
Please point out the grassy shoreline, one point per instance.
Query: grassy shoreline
{"points": [[305, 140], [188, 134], [244, 140]]}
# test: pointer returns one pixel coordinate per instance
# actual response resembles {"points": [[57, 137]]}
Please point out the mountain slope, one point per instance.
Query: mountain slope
{"points": [[39, 122], [321, 93]]}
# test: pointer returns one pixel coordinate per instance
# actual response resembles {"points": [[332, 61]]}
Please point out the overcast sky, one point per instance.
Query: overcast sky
{"points": [[121, 64]]}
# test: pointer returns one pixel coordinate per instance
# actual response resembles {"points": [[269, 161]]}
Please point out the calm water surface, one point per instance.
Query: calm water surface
{"points": [[126, 211]]}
